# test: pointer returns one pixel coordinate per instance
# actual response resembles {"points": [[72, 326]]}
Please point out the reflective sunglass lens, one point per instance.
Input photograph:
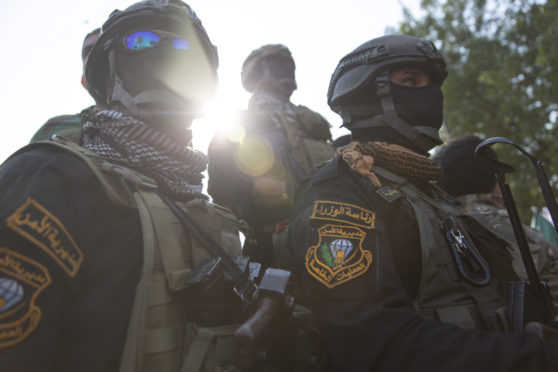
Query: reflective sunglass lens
{"points": [[142, 40], [181, 44]]}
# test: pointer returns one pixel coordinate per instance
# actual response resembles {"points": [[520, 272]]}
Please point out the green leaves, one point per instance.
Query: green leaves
{"points": [[502, 79], [326, 255]]}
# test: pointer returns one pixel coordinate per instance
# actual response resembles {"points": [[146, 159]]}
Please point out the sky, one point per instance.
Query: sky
{"points": [[41, 53]]}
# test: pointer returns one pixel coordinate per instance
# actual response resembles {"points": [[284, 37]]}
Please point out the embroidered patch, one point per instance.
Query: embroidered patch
{"points": [[21, 281], [343, 212], [37, 224], [388, 193], [338, 256]]}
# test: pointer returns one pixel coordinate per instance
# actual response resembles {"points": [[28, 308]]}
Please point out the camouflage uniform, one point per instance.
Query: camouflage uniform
{"points": [[544, 253], [256, 173]]}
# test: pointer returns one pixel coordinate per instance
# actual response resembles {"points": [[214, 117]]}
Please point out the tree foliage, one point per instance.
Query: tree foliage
{"points": [[502, 79]]}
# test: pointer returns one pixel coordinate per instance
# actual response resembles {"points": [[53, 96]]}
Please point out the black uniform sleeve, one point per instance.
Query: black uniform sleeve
{"points": [[361, 305], [69, 263]]}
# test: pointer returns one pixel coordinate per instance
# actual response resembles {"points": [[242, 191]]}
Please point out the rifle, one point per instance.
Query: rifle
{"points": [[535, 291]]}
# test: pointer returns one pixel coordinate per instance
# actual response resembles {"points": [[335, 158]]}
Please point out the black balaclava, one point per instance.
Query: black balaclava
{"points": [[417, 106]]}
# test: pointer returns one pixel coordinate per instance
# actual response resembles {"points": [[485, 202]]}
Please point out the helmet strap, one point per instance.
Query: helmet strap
{"points": [[118, 93], [391, 119], [383, 92]]}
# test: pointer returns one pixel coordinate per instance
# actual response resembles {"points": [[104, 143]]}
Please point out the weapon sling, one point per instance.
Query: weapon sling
{"points": [[243, 285]]}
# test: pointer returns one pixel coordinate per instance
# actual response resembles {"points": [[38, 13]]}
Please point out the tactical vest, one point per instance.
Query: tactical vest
{"points": [[161, 335], [306, 133], [444, 293], [308, 150]]}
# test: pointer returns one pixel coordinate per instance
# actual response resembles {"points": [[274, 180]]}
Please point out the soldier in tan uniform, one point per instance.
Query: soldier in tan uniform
{"points": [[255, 168]]}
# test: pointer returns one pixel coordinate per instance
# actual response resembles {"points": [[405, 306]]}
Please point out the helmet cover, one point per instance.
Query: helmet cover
{"points": [[252, 67]]}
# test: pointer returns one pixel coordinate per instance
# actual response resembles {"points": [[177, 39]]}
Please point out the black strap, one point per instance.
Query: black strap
{"points": [[243, 285], [502, 269]]}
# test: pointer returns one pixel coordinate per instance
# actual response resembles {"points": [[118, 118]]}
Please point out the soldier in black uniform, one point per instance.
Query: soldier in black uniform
{"points": [[397, 277], [71, 245]]}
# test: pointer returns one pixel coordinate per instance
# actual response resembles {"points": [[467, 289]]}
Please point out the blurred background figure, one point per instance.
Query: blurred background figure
{"points": [[256, 166], [473, 182], [69, 126]]}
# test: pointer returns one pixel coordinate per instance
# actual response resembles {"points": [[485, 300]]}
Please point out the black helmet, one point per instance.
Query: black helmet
{"points": [[166, 15], [252, 71], [88, 43], [370, 64]]}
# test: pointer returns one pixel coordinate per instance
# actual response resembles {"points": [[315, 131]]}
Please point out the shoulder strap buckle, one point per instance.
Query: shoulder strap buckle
{"points": [[129, 175]]}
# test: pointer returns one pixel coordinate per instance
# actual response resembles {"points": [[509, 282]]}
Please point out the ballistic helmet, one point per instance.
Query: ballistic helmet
{"points": [[112, 72], [88, 43], [253, 69], [369, 66]]}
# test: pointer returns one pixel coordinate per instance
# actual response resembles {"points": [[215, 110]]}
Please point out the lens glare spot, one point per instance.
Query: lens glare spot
{"points": [[181, 44], [142, 40]]}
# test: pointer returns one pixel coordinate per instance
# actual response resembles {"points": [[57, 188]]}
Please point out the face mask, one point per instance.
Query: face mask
{"points": [[419, 106], [184, 74]]}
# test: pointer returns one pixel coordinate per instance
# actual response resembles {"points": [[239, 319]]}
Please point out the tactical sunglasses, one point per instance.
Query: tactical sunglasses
{"points": [[141, 40]]}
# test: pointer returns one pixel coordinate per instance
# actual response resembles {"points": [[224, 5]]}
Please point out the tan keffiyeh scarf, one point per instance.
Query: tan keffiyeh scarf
{"points": [[360, 156]]}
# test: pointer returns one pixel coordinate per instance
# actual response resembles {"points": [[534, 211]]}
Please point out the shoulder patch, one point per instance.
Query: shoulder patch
{"points": [[388, 193], [343, 212], [21, 281], [338, 255], [35, 223]]}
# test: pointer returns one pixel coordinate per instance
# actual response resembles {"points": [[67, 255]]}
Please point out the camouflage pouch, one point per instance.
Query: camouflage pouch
{"points": [[313, 123]]}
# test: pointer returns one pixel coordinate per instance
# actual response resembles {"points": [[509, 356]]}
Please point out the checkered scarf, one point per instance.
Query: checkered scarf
{"points": [[133, 143]]}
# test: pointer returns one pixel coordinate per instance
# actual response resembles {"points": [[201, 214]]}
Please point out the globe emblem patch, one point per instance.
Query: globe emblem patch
{"points": [[11, 293], [22, 280], [340, 250], [338, 255]]}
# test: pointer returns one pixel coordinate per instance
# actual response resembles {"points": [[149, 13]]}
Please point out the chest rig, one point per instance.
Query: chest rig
{"points": [[464, 264], [163, 333], [304, 143]]}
